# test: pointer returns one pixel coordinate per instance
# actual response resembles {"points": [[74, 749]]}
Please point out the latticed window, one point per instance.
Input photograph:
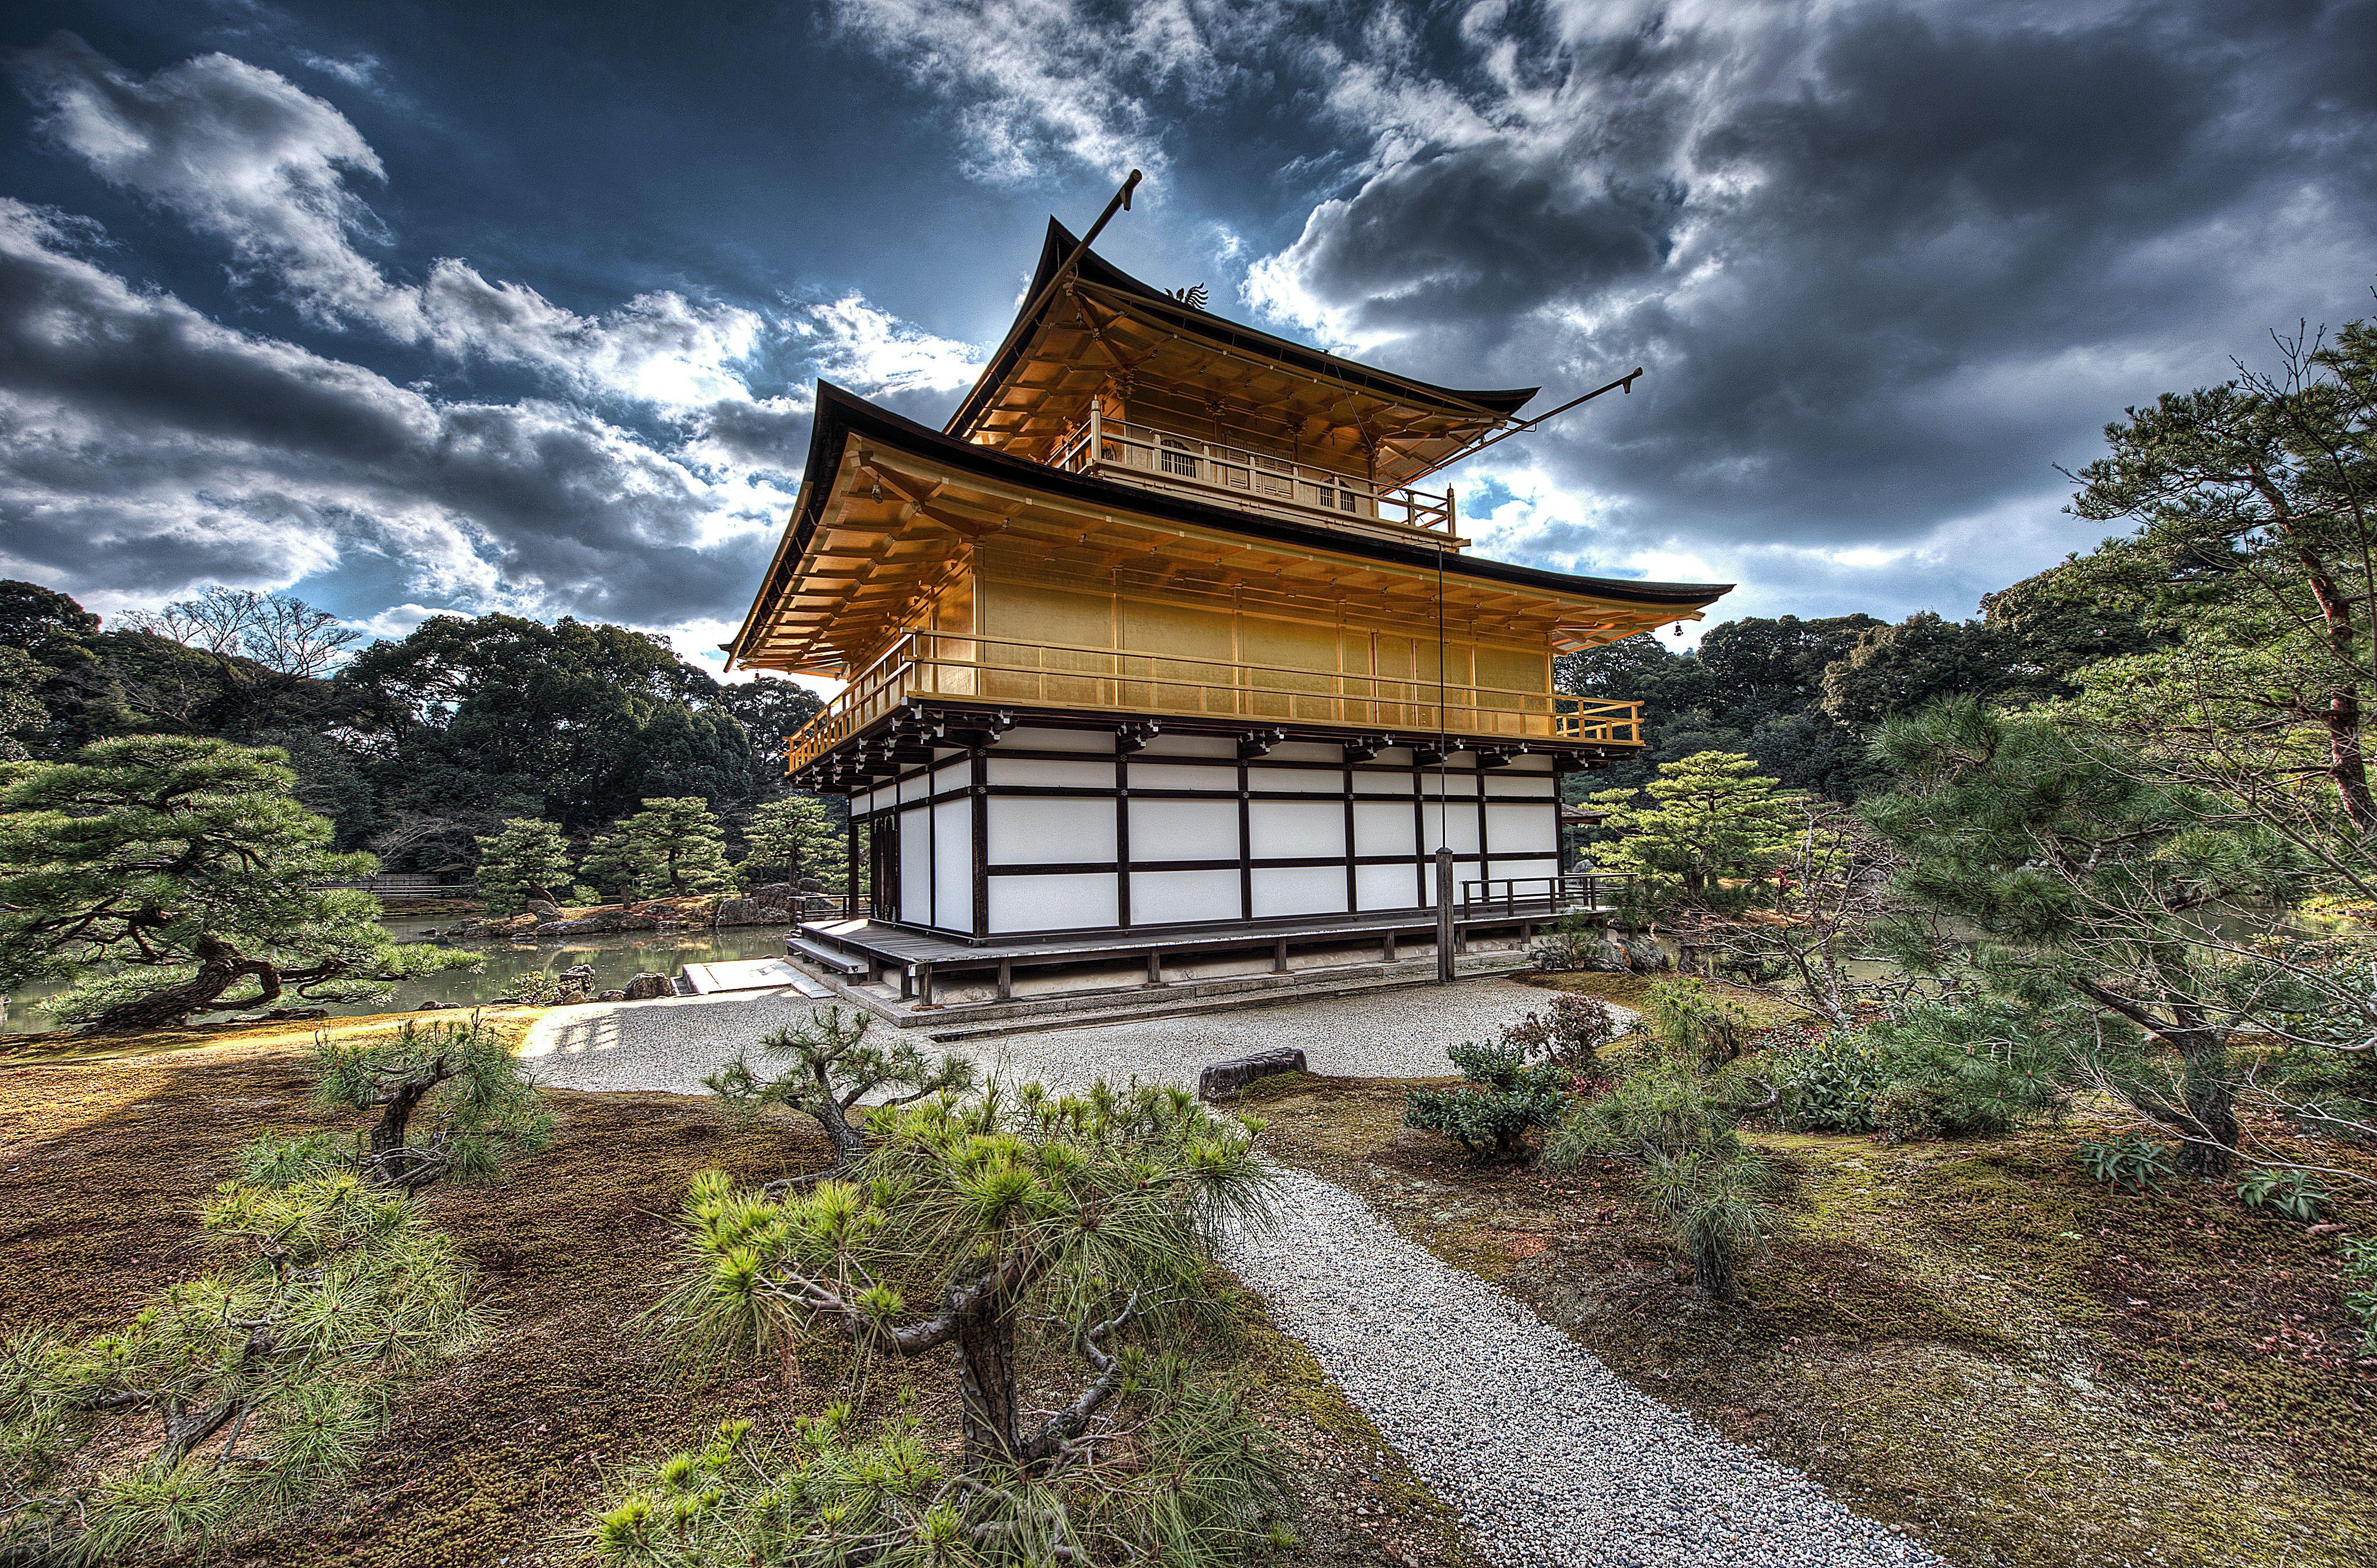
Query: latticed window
{"points": [[1177, 458]]}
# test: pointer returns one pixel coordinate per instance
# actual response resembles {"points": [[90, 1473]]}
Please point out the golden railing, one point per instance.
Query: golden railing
{"points": [[1001, 670], [1244, 477]]}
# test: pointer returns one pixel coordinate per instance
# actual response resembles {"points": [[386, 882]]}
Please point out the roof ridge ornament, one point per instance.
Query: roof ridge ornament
{"points": [[1192, 296]]}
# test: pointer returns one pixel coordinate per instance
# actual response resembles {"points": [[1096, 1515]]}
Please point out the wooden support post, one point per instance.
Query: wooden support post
{"points": [[1279, 957], [874, 968], [907, 983], [1444, 925], [1387, 948], [1006, 979], [924, 987], [1156, 966]]}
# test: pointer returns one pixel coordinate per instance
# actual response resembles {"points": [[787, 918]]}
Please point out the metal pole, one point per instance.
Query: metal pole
{"points": [[1444, 927]]}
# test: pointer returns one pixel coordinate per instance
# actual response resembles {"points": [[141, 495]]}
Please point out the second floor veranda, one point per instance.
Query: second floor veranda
{"points": [[968, 667]]}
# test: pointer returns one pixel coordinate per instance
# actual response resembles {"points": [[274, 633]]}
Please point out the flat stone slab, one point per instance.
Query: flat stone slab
{"points": [[751, 974]]}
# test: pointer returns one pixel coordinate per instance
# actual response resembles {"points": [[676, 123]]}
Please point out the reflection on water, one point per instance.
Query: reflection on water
{"points": [[616, 961]]}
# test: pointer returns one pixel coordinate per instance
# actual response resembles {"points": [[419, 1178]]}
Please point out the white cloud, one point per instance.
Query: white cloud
{"points": [[876, 351], [145, 450]]}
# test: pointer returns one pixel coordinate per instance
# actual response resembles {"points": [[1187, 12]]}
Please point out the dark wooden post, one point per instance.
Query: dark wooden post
{"points": [[1444, 927]]}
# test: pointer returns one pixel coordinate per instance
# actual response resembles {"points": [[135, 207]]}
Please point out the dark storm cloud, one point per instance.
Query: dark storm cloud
{"points": [[1886, 267]]}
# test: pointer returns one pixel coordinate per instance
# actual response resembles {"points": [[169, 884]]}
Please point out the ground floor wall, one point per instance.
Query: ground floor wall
{"points": [[1046, 830]]}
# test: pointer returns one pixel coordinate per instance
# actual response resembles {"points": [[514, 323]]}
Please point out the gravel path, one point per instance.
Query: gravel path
{"points": [[672, 1044], [1552, 1459]]}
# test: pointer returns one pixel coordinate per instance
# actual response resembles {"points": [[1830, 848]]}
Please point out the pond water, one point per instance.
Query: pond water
{"points": [[615, 960]]}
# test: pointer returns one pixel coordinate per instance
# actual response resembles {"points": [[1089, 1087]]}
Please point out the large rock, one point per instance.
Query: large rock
{"points": [[738, 911], [773, 895], [645, 987], [1224, 1079], [610, 996], [544, 909]]}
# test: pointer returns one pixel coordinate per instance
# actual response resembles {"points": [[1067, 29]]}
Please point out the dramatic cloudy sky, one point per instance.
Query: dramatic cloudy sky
{"points": [[412, 306]]}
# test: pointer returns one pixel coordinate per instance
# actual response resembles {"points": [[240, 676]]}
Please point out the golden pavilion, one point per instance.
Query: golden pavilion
{"points": [[1156, 649]]}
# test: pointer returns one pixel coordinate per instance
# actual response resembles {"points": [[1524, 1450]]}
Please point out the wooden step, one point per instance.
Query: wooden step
{"points": [[825, 958]]}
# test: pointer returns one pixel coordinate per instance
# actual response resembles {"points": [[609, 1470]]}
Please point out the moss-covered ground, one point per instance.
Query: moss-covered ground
{"points": [[107, 1152], [1971, 1338]]}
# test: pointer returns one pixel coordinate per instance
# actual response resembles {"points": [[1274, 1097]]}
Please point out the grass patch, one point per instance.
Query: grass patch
{"points": [[107, 1158]]}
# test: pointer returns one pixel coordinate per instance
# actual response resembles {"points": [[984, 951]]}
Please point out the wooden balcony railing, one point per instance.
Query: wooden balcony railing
{"points": [[1215, 471], [999, 671]]}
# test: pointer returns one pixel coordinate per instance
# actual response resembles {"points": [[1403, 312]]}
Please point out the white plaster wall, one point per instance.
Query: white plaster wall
{"points": [[1383, 784], [1454, 782], [1451, 825], [1086, 774], [1289, 829], [1034, 829], [953, 865], [1388, 887], [1511, 830], [1313, 890], [1307, 751], [1384, 829], [952, 776], [1331, 781], [1058, 741], [915, 868], [1051, 903], [1521, 784], [1170, 897], [1192, 745], [1183, 775], [1184, 830]]}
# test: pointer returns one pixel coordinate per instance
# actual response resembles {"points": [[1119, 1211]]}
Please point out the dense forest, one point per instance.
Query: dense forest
{"points": [[412, 747], [1802, 698]]}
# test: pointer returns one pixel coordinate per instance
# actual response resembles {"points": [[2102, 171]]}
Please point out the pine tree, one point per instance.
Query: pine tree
{"points": [[1714, 828], [174, 876], [529, 859], [672, 847], [794, 837]]}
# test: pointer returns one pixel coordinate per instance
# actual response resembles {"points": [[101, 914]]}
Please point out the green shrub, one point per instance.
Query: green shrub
{"points": [[1693, 1024], [1678, 1128], [1569, 1033], [2294, 1194], [1506, 1096], [1829, 1087], [236, 1397], [2132, 1164]]}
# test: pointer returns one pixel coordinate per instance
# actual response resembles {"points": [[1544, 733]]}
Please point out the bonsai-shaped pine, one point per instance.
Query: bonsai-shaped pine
{"points": [[528, 860], [794, 837], [831, 1069], [1079, 1219], [671, 848], [1714, 828], [1511, 1090], [183, 873], [451, 1101], [233, 1397]]}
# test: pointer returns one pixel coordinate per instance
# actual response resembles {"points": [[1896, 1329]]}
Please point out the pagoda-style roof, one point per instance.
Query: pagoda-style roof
{"points": [[1102, 327], [886, 504]]}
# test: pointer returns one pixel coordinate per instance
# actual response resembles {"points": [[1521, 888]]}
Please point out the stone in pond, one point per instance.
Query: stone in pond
{"points": [[645, 987]]}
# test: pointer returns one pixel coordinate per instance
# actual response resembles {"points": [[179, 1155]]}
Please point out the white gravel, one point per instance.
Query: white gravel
{"points": [[672, 1044], [1552, 1459]]}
